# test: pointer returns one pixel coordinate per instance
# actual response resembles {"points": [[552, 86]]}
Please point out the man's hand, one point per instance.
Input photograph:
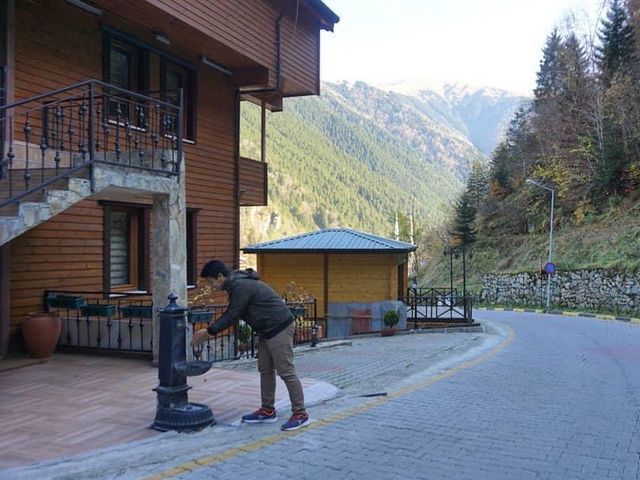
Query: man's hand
{"points": [[199, 337]]}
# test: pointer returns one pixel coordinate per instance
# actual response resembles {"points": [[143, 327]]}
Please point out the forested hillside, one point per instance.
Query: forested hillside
{"points": [[353, 158], [580, 138]]}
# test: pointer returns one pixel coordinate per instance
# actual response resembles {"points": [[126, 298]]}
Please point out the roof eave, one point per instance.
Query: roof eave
{"points": [[328, 16], [327, 250]]}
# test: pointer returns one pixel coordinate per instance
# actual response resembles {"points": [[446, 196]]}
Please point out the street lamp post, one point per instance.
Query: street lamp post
{"points": [[529, 181]]}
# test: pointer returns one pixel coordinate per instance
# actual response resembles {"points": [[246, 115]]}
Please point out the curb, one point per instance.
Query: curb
{"points": [[610, 318]]}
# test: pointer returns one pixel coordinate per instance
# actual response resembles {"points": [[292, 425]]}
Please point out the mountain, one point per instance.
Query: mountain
{"points": [[482, 113], [358, 154]]}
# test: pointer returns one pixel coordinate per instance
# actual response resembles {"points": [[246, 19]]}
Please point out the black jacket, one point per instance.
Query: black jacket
{"points": [[255, 302]]}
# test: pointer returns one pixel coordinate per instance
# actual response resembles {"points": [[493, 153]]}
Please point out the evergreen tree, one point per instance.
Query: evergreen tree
{"points": [[519, 141], [574, 76], [616, 35], [499, 173], [465, 217], [548, 77], [478, 184]]}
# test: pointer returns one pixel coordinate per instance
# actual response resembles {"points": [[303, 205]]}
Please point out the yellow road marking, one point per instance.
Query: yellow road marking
{"points": [[233, 452]]}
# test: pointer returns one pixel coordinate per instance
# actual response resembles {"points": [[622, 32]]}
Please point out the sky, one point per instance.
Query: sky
{"points": [[495, 43]]}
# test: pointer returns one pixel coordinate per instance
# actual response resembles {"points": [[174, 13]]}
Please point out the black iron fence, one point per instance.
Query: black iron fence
{"points": [[239, 341], [429, 306], [53, 136], [122, 322], [103, 321]]}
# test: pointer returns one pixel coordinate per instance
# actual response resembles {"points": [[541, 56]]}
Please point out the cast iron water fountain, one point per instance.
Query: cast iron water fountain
{"points": [[174, 412]]}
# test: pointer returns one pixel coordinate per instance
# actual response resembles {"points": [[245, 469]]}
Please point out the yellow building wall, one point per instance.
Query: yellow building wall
{"points": [[306, 269], [356, 277], [363, 277]]}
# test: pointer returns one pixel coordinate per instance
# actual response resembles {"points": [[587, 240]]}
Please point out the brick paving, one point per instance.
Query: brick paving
{"points": [[77, 403]]}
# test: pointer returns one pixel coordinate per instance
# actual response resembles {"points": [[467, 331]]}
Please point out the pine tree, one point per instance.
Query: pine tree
{"points": [[478, 183], [616, 35], [499, 173], [465, 217], [519, 141], [548, 77]]}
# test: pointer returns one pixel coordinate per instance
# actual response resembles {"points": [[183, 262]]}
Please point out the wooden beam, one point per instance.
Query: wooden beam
{"points": [[272, 101], [252, 77], [263, 133], [325, 281]]}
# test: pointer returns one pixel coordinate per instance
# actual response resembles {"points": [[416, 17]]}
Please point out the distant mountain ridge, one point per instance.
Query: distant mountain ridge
{"points": [[358, 154], [483, 113]]}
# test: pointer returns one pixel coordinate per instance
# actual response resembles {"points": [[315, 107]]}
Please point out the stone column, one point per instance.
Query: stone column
{"points": [[168, 251]]}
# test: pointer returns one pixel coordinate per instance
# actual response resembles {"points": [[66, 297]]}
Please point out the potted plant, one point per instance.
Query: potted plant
{"points": [[244, 337], [136, 311], [390, 319], [98, 309], [296, 298], [200, 299], [65, 301]]}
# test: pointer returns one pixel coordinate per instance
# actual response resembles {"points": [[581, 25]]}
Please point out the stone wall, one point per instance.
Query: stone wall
{"points": [[606, 290]]}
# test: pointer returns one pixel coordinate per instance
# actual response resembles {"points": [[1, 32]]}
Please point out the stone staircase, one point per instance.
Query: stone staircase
{"points": [[40, 206]]}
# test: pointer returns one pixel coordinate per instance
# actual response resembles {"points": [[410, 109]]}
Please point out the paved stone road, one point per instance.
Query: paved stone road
{"points": [[371, 364], [560, 402], [558, 398]]}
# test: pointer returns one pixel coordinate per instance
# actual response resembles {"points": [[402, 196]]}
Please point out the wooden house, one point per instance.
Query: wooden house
{"points": [[336, 265], [120, 171]]}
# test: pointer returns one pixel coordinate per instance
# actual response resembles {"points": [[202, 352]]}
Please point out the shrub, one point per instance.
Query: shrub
{"points": [[391, 318]]}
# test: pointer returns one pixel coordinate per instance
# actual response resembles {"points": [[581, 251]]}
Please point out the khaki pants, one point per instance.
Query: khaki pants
{"points": [[276, 355]]}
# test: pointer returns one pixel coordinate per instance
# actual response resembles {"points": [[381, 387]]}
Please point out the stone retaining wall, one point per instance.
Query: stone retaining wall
{"points": [[608, 290]]}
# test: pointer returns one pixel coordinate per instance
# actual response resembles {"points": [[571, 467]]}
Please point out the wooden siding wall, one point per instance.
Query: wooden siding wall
{"points": [[361, 277], [253, 183], [66, 252], [249, 27]]}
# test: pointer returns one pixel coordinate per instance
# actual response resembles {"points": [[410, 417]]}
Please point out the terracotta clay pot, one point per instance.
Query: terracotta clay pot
{"points": [[41, 331], [387, 332]]}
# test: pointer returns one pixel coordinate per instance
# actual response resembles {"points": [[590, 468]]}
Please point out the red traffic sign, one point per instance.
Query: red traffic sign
{"points": [[550, 268]]}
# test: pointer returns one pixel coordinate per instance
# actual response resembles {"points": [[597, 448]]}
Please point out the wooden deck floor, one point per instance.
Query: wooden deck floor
{"points": [[76, 403]]}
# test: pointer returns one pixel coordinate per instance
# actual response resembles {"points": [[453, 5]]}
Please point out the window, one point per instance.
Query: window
{"points": [[176, 77], [136, 66], [121, 63], [126, 251], [122, 251]]}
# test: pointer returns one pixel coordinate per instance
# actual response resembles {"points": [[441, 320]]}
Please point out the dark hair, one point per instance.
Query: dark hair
{"points": [[214, 268]]}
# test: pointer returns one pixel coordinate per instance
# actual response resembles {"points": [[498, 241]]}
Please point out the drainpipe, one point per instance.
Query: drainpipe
{"points": [[278, 54], [239, 92], [236, 180]]}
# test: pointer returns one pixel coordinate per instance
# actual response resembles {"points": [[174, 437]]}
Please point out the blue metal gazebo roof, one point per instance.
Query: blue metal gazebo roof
{"points": [[332, 240]]}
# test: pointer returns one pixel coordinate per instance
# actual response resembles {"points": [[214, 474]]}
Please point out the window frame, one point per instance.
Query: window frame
{"points": [[192, 245], [139, 246], [142, 76]]}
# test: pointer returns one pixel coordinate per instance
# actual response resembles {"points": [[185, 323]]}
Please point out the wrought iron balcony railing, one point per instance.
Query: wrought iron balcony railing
{"points": [[52, 136]]}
